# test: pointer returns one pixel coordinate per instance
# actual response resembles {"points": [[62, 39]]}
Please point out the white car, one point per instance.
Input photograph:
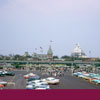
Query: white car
{"points": [[38, 87], [3, 83], [81, 76], [29, 75], [30, 87], [4, 72], [42, 87], [37, 82], [51, 80]]}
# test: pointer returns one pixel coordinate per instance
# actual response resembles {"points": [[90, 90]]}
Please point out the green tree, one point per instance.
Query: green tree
{"points": [[55, 57]]}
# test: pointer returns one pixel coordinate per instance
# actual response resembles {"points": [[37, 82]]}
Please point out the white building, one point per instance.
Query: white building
{"points": [[78, 52]]}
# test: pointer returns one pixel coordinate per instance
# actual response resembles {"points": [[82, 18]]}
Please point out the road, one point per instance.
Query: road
{"points": [[66, 82]]}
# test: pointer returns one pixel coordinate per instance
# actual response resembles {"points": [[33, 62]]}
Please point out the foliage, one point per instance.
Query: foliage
{"points": [[70, 58], [1, 67], [97, 65], [55, 57], [76, 67]]}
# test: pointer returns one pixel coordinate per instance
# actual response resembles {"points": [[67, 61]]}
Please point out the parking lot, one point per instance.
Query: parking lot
{"points": [[66, 82]]}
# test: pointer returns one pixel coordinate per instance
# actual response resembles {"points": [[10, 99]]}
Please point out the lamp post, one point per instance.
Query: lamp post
{"points": [[72, 69], [27, 67]]}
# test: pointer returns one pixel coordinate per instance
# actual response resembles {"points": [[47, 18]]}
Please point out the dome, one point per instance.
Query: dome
{"points": [[77, 49], [78, 52]]}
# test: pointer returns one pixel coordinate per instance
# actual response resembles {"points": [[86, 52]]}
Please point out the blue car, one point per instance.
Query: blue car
{"points": [[2, 74], [96, 81], [10, 74], [34, 78], [77, 74]]}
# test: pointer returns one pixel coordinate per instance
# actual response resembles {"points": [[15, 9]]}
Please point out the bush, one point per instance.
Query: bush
{"points": [[76, 67], [18, 66], [1, 67]]}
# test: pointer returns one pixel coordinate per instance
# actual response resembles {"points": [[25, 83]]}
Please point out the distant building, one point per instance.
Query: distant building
{"points": [[11, 56], [26, 54], [46, 57], [39, 57], [91, 59], [78, 52], [50, 54]]}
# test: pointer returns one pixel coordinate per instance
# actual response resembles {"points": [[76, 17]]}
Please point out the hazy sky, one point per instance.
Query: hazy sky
{"points": [[29, 24]]}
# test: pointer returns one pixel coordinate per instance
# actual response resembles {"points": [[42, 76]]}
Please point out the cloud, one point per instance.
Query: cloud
{"points": [[25, 8], [53, 6]]}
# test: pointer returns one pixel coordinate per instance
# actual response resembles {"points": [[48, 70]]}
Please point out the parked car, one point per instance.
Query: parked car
{"points": [[77, 74], [36, 82], [34, 78], [10, 73], [30, 87], [81, 76], [42, 87], [3, 83], [29, 75], [2, 74], [51, 80], [38, 86]]}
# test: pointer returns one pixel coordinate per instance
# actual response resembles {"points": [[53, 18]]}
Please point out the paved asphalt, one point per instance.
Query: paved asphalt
{"points": [[66, 82]]}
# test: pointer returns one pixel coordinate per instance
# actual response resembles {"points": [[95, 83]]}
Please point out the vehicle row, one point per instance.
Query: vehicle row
{"points": [[6, 73], [3, 84], [36, 82], [92, 77], [2, 74]]}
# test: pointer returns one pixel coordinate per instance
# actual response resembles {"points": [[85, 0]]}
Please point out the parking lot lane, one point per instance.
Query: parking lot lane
{"points": [[66, 82]]}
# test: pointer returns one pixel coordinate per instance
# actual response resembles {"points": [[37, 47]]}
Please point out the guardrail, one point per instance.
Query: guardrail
{"points": [[47, 62]]}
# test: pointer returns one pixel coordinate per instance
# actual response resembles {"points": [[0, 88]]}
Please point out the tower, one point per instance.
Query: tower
{"points": [[26, 54], [50, 54]]}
